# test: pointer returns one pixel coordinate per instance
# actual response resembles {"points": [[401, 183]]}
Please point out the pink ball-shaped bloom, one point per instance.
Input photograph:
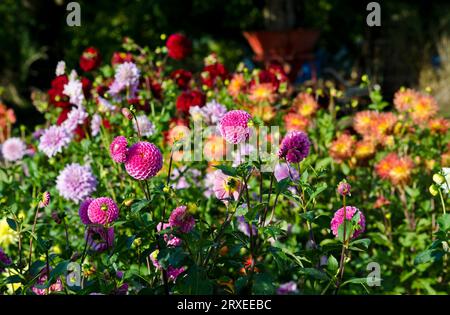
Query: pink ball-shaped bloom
{"points": [[338, 219], [181, 218], [234, 126], [83, 211], [118, 149], [103, 210], [144, 160], [294, 147]]}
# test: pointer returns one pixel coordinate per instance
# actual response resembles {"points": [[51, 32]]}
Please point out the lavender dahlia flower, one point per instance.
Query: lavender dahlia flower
{"points": [[96, 124], [294, 147], [74, 90], [283, 170], [13, 149], [76, 117], [287, 288], [127, 76], [146, 127], [76, 182], [53, 140]]}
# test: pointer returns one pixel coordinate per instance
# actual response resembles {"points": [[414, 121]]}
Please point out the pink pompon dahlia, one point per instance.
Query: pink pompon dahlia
{"points": [[338, 219], [234, 126], [118, 149], [144, 160], [83, 211], [181, 218], [294, 147], [103, 210]]}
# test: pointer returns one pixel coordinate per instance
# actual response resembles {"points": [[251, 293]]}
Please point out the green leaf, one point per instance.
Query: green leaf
{"points": [[12, 224], [282, 185], [348, 230], [444, 222], [227, 170], [59, 270], [314, 273], [429, 255], [364, 242], [241, 210], [139, 205], [332, 264], [263, 284], [195, 282]]}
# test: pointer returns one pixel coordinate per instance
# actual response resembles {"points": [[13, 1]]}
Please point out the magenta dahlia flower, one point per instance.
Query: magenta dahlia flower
{"points": [[294, 147], [338, 219], [234, 126], [118, 149], [99, 238], [42, 279], [168, 238], [83, 211], [76, 182], [181, 218], [173, 273], [103, 210], [144, 160]]}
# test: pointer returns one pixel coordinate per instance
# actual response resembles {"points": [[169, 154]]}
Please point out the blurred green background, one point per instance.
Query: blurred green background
{"points": [[410, 48]]}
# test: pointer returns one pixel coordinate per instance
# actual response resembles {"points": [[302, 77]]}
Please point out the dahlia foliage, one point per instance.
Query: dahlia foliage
{"points": [[151, 174]]}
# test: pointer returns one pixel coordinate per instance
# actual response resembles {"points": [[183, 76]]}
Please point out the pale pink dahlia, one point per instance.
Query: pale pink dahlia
{"points": [[226, 187], [118, 149], [83, 211], [181, 218], [338, 219], [13, 149], [144, 160], [294, 147], [103, 210], [234, 126]]}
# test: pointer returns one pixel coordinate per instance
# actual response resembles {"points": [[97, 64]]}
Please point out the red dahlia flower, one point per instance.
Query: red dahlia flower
{"points": [[178, 46], [90, 59]]}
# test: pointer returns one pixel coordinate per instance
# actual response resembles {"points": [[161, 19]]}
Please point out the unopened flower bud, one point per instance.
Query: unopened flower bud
{"points": [[344, 188], [438, 179], [434, 190], [45, 199], [127, 113]]}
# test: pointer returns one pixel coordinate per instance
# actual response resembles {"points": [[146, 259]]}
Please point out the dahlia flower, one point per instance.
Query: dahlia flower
{"points": [[338, 220], [75, 117], [146, 127], [13, 149], [168, 238], [344, 188], [294, 147], [181, 77], [287, 288], [181, 219], [262, 92], [187, 99], [42, 279], [226, 187], [102, 210], [342, 148], [214, 148], [99, 238], [423, 109], [90, 59], [404, 98], [234, 126], [74, 90], [237, 85], [294, 121], [394, 168], [144, 160], [213, 112], [173, 273], [305, 104], [126, 76], [4, 260], [283, 170], [53, 140], [178, 46], [96, 124], [76, 182], [118, 149], [60, 68], [83, 211]]}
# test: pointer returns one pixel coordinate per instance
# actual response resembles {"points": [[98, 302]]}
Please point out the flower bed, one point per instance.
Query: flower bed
{"points": [[148, 178]]}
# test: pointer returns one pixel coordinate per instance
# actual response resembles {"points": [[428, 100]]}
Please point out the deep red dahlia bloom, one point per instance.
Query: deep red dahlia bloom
{"points": [[187, 99], [182, 78], [178, 46], [90, 59]]}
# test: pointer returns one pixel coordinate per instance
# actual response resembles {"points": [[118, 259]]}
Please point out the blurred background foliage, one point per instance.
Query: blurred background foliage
{"points": [[411, 47]]}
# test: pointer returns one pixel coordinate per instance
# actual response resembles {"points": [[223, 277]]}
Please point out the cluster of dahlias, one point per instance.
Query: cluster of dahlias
{"points": [[302, 111], [419, 106], [142, 160]]}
